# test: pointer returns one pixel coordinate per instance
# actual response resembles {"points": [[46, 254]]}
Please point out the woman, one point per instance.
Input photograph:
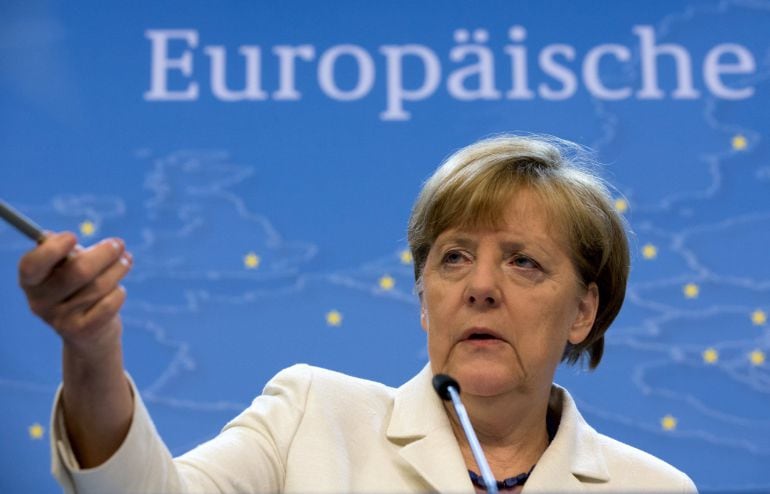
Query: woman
{"points": [[520, 263]]}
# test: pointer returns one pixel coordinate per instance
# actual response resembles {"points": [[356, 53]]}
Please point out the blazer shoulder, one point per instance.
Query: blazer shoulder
{"points": [[303, 391], [322, 384], [320, 376], [642, 468]]}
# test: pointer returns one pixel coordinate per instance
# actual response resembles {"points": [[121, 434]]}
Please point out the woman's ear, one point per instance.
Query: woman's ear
{"points": [[588, 305], [423, 310], [423, 317]]}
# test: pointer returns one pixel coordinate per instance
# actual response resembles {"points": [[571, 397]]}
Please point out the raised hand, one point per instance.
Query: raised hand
{"points": [[77, 292]]}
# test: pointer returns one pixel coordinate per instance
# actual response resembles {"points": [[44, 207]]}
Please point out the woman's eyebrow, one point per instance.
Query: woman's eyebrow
{"points": [[459, 238]]}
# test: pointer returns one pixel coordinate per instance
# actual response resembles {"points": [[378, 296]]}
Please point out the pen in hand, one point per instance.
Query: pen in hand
{"points": [[21, 222]]}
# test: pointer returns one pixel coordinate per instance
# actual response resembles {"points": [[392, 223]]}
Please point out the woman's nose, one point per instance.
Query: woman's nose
{"points": [[483, 289]]}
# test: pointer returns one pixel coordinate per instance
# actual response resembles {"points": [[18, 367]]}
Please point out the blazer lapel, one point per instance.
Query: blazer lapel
{"points": [[420, 425], [573, 457]]}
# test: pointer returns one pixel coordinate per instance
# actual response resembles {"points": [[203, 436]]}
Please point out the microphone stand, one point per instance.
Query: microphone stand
{"points": [[449, 390]]}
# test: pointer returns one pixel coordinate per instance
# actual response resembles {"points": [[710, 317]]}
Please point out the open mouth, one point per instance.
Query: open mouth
{"points": [[481, 336]]}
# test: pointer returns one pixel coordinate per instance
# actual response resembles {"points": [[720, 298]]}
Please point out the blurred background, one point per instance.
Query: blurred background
{"points": [[260, 160]]}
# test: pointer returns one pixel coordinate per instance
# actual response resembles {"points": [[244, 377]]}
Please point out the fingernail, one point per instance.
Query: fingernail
{"points": [[111, 241], [75, 250], [124, 261]]}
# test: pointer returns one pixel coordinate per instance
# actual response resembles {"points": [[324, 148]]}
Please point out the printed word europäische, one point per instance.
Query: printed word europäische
{"points": [[472, 71]]}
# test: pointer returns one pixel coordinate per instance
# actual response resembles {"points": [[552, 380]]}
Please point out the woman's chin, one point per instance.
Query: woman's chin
{"points": [[486, 380]]}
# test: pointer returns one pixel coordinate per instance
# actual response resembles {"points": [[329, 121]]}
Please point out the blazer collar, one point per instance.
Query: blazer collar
{"points": [[575, 454], [420, 424]]}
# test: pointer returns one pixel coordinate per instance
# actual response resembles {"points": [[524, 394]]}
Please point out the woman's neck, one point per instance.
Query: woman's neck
{"points": [[512, 431]]}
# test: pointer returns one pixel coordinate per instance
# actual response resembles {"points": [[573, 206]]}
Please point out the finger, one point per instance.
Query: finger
{"points": [[88, 296], [37, 264], [76, 272], [100, 314]]}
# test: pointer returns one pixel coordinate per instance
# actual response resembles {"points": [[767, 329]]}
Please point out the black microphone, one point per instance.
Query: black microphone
{"points": [[441, 383], [449, 390]]}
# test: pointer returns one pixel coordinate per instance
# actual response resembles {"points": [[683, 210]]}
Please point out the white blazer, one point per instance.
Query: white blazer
{"points": [[314, 430]]}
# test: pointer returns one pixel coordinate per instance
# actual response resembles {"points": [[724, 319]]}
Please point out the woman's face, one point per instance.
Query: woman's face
{"points": [[500, 305]]}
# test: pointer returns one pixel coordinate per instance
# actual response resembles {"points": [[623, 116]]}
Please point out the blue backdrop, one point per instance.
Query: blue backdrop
{"points": [[260, 160]]}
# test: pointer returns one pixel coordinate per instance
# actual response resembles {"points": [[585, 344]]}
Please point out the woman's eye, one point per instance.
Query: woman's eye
{"points": [[524, 262], [453, 257]]}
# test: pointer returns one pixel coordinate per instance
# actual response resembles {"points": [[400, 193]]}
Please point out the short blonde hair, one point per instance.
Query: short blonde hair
{"points": [[471, 188]]}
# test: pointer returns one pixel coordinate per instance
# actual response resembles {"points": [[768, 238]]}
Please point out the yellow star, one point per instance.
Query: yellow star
{"points": [[757, 357], [710, 355], [739, 142], [668, 423], [759, 317], [406, 257], [649, 251], [87, 228], [36, 431], [333, 318], [691, 290], [387, 282], [251, 260], [621, 205]]}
